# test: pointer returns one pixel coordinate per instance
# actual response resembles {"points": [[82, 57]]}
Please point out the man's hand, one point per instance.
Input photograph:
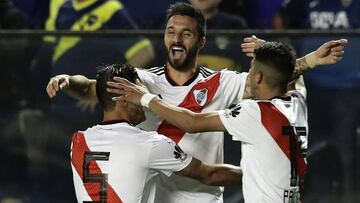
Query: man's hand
{"points": [[249, 45], [329, 53], [127, 90], [57, 83]]}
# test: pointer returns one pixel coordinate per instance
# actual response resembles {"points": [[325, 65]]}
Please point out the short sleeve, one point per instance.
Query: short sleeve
{"points": [[298, 94], [232, 86], [145, 77], [241, 121], [166, 156]]}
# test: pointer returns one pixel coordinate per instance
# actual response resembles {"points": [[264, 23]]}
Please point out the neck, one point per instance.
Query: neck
{"points": [[112, 115], [181, 77], [267, 93]]}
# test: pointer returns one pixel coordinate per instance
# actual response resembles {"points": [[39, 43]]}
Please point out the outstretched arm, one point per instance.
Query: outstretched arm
{"points": [[328, 53], [77, 86], [220, 174], [180, 117]]}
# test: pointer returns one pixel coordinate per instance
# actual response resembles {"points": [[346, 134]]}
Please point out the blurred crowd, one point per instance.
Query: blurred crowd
{"points": [[33, 125], [237, 14]]}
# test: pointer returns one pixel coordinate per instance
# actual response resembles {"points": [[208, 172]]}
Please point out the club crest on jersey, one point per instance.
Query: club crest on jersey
{"points": [[201, 96]]}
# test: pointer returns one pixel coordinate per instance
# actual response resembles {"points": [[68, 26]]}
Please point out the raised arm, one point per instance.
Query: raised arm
{"points": [[180, 117], [77, 86], [217, 175], [328, 53]]}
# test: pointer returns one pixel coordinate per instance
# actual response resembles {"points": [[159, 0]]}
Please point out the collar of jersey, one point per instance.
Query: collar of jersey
{"points": [[173, 83], [114, 122], [285, 98], [81, 5]]}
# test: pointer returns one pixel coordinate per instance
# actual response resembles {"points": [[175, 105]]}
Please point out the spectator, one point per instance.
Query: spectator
{"points": [[216, 19], [220, 51], [318, 14], [149, 15], [259, 13], [10, 16], [36, 12]]}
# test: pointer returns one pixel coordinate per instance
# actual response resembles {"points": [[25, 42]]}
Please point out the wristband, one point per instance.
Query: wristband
{"points": [[146, 98], [311, 60]]}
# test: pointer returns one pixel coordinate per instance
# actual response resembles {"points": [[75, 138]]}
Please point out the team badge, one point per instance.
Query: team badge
{"points": [[201, 96]]}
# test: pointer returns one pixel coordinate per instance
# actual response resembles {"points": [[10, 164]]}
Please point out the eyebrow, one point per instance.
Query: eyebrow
{"points": [[183, 30]]}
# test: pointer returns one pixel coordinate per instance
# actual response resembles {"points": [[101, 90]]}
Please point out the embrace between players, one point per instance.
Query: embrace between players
{"points": [[115, 161]]}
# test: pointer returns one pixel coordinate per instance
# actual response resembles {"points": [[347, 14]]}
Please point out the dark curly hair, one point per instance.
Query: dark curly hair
{"points": [[107, 73], [277, 60]]}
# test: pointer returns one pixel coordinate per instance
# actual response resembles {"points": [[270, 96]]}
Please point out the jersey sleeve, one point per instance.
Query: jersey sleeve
{"points": [[241, 121], [145, 77], [298, 94], [302, 110], [166, 156], [232, 86]]}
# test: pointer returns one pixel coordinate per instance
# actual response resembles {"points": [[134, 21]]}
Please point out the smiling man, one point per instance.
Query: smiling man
{"points": [[182, 82]]}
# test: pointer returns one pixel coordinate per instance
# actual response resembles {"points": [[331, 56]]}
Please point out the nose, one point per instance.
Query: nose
{"points": [[178, 38]]}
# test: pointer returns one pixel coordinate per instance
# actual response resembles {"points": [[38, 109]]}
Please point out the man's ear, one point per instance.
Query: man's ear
{"points": [[202, 42], [259, 76]]}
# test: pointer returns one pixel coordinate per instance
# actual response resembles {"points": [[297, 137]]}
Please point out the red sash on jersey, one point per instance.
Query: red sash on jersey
{"points": [[194, 101], [274, 121], [77, 159]]}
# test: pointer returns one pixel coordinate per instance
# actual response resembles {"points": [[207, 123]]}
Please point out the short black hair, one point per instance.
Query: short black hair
{"points": [[279, 60], [107, 73], [186, 9]]}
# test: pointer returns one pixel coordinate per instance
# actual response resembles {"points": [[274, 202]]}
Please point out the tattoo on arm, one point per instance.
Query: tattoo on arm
{"points": [[81, 88], [301, 67]]}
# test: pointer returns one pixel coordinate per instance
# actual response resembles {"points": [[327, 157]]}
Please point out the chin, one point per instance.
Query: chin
{"points": [[179, 64]]}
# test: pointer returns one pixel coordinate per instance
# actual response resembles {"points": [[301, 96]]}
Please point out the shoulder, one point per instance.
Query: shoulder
{"points": [[230, 73], [160, 139], [154, 71], [251, 104], [297, 94], [206, 72], [248, 106], [149, 76]]}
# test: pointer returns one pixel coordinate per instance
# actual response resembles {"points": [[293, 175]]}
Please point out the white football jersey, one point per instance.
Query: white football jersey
{"points": [[115, 162], [273, 134], [206, 91]]}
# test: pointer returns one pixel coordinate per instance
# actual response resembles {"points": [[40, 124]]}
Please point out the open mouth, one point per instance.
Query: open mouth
{"points": [[177, 51]]}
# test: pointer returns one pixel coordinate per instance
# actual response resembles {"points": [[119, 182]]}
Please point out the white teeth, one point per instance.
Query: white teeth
{"points": [[177, 49]]}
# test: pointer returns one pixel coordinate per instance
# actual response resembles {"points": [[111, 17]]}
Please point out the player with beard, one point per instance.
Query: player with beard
{"points": [[183, 83]]}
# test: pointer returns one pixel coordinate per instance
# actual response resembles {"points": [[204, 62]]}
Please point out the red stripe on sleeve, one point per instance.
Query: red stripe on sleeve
{"points": [[79, 147], [204, 88]]}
